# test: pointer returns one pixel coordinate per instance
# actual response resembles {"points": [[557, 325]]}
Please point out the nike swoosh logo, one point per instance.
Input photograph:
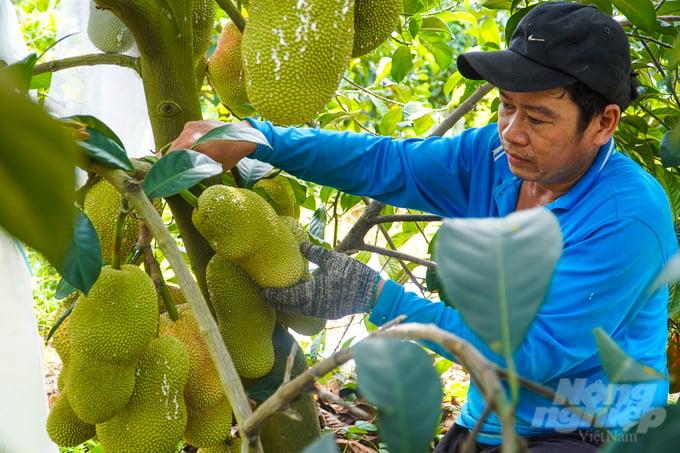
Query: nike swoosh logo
{"points": [[534, 39]]}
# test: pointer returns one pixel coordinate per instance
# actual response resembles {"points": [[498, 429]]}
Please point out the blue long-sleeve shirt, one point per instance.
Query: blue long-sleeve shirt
{"points": [[617, 232]]}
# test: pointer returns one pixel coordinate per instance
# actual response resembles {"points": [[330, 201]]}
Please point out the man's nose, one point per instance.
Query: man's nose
{"points": [[514, 131]]}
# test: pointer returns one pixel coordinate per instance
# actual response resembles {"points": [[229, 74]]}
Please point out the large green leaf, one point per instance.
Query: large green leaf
{"points": [[497, 271], [399, 378], [324, 444], [106, 151], [83, 261], [619, 367], [234, 132], [177, 171], [96, 124], [21, 72], [37, 175], [658, 431], [252, 170], [603, 5], [640, 13], [670, 148], [402, 62]]}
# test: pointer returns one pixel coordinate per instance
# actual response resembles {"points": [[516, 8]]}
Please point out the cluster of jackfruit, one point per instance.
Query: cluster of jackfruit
{"points": [[292, 54], [108, 33]]}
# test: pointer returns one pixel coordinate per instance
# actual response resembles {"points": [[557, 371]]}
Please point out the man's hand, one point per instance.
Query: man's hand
{"points": [[341, 286], [226, 152]]}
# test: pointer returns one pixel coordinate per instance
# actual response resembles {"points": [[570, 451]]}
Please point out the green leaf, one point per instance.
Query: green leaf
{"points": [[64, 289], [619, 367], [675, 53], [20, 73], [317, 226], [488, 31], [497, 4], [399, 378], [324, 444], [402, 62], [41, 81], [670, 148], [177, 171], [389, 121], [83, 260], [513, 21], [603, 5], [443, 54], [106, 151], [60, 321], [670, 7], [434, 23], [265, 387], [664, 433], [96, 124], [37, 160], [640, 13], [414, 25], [234, 132], [252, 170], [497, 271]]}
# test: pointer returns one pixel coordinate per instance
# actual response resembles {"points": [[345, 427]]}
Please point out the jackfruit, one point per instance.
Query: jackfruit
{"points": [[203, 22], [294, 54], [117, 318], [225, 72], [155, 417], [245, 320], [241, 226], [210, 426], [64, 427], [102, 204], [203, 388], [281, 195], [223, 447], [108, 33], [374, 22], [296, 228], [98, 390]]}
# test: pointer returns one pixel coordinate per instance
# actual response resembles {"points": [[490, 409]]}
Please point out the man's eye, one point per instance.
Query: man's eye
{"points": [[536, 121], [506, 106]]}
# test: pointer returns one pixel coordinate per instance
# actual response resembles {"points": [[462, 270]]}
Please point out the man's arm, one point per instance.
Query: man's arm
{"points": [[431, 175]]}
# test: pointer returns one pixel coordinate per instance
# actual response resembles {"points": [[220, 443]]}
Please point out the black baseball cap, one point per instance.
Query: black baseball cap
{"points": [[559, 44]]}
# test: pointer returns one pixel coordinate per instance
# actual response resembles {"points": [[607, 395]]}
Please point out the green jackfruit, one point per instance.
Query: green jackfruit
{"points": [[98, 390], [294, 54], [223, 447], [108, 33], [203, 388], [296, 228], [203, 22], [64, 427], [281, 195], [245, 320], [374, 22], [241, 226], [225, 72], [102, 204], [209, 427], [117, 318], [155, 417]]}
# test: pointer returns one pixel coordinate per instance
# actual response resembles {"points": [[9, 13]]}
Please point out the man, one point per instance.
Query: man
{"points": [[563, 84]]}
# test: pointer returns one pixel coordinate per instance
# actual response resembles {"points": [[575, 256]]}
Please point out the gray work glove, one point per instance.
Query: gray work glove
{"points": [[341, 286]]}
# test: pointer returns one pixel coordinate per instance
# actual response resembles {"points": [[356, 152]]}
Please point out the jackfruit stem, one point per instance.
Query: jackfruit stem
{"points": [[189, 198], [234, 13], [167, 300], [118, 234]]}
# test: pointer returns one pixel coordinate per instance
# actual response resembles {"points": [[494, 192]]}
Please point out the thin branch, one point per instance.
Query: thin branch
{"points": [[371, 93], [626, 23], [290, 361], [131, 189], [403, 265], [154, 271], [397, 254], [333, 399], [234, 13], [125, 61], [406, 218], [647, 38], [470, 443], [462, 110]]}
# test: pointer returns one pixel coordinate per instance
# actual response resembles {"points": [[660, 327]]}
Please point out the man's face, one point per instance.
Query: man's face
{"points": [[540, 135]]}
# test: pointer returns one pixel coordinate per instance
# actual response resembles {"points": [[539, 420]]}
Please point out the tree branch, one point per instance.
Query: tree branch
{"points": [[406, 218], [462, 110], [333, 399], [626, 23], [94, 59], [234, 13], [396, 254], [231, 384]]}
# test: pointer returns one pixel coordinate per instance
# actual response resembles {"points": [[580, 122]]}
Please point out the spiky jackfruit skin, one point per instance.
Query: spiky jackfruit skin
{"points": [[155, 417], [246, 321], [102, 204], [374, 22], [210, 426], [224, 447], [203, 22], [64, 427], [225, 72], [241, 226], [203, 388], [281, 195], [294, 54], [117, 318], [108, 33], [296, 228], [98, 390]]}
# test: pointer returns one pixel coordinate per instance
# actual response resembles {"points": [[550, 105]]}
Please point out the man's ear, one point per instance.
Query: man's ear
{"points": [[605, 124]]}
